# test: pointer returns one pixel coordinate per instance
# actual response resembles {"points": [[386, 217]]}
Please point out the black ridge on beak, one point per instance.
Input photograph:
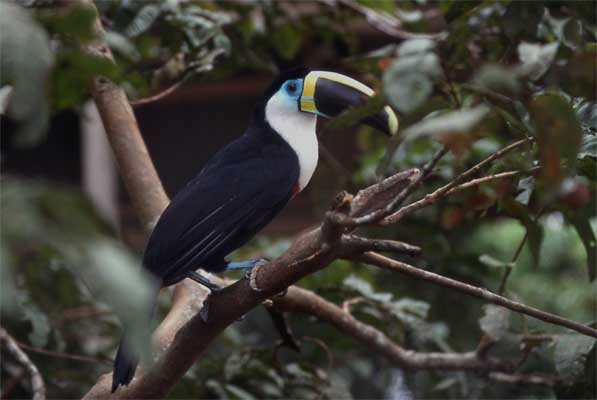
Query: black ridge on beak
{"points": [[329, 93]]}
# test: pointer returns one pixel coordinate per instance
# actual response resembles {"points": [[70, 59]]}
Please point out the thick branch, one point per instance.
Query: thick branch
{"points": [[304, 257], [134, 163], [37, 383], [394, 265]]}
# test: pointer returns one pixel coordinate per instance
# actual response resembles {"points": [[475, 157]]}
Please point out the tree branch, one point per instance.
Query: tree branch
{"points": [[67, 356], [362, 244], [302, 300], [37, 383], [153, 98], [387, 24], [443, 191], [394, 265], [134, 163]]}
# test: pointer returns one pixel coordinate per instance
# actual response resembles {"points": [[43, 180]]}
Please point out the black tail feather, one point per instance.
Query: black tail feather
{"points": [[127, 359], [125, 365]]}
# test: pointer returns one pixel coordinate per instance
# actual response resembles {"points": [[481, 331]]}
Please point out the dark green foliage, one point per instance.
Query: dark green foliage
{"points": [[501, 71]]}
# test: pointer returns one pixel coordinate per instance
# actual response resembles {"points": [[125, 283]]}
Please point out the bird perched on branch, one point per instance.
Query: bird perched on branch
{"points": [[247, 183]]}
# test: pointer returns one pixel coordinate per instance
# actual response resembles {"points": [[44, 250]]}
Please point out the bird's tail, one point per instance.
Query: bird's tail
{"points": [[125, 364], [127, 359]]}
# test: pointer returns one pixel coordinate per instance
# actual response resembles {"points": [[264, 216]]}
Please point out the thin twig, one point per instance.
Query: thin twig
{"points": [[442, 191], [482, 293], [387, 24], [536, 379], [37, 383], [508, 270], [347, 304], [479, 181], [160, 95], [379, 213], [67, 356], [324, 346], [301, 300], [361, 244]]}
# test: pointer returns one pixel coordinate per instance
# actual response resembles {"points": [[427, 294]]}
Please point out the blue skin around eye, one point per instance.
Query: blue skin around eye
{"points": [[299, 88]]}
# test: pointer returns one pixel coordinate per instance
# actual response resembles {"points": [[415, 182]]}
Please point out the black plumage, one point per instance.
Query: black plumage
{"points": [[237, 193], [244, 186]]}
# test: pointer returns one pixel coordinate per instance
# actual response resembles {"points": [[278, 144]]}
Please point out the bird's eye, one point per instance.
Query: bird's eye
{"points": [[291, 87]]}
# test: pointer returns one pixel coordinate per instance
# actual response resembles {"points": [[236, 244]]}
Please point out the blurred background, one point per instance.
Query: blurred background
{"points": [[486, 73]]}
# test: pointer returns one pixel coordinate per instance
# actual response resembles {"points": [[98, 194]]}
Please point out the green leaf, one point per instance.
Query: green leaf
{"points": [[522, 19], [406, 91], [144, 19], [492, 262], [408, 82], [409, 311], [586, 111], [496, 321], [587, 166], [451, 122], [223, 42], [237, 392], [235, 363], [445, 384], [570, 355], [65, 222], [121, 45], [287, 40], [498, 79], [578, 76], [24, 64], [364, 288], [588, 147], [572, 34], [76, 21], [587, 235], [526, 187], [536, 58], [40, 325], [8, 292], [415, 46], [534, 239], [558, 134]]}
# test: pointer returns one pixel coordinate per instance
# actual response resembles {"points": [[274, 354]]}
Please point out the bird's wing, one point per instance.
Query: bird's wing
{"points": [[216, 213]]}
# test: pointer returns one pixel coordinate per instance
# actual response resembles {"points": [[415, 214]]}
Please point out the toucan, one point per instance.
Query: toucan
{"points": [[247, 183]]}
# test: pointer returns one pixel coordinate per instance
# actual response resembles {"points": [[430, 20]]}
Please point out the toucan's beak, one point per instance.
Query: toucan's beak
{"points": [[329, 93]]}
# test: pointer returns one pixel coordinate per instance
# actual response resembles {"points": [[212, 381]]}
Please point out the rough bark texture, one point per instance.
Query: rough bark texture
{"points": [[134, 163]]}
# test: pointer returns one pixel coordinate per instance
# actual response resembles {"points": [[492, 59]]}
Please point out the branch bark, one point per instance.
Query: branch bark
{"points": [[304, 301], [394, 265], [134, 163], [37, 383]]}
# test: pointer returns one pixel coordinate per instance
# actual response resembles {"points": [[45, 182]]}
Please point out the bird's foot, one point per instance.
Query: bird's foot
{"points": [[247, 264], [251, 273], [200, 279]]}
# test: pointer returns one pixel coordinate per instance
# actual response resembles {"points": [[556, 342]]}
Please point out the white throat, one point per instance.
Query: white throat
{"points": [[298, 130]]}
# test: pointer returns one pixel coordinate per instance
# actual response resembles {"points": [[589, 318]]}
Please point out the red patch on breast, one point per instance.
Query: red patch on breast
{"points": [[295, 190]]}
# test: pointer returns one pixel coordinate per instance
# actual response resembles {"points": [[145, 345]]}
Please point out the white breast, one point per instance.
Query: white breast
{"points": [[298, 129]]}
